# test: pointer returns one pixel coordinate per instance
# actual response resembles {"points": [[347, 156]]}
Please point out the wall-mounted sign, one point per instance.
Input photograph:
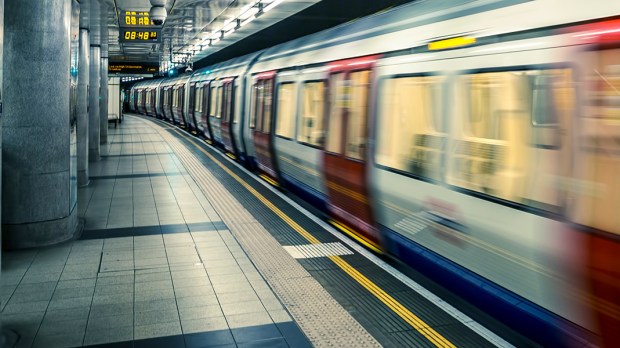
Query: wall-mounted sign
{"points": [[132, 68], [140, 35], [135, 19]]}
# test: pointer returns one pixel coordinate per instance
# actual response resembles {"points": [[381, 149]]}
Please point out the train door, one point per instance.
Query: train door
{"points": [[596, 197], [345, 155], [227, 116], [191, 106], [204, 111], [261, 125]]}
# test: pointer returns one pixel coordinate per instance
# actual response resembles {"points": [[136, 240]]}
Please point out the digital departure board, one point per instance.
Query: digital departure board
{"points": [[136, 19], [140, 35], [132, 68]]}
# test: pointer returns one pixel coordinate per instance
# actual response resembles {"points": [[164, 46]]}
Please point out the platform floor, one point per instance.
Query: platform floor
{"points": [[179, 250]]}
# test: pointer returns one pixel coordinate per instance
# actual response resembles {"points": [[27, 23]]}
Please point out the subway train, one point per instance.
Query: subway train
{"points": [[476, 141]]}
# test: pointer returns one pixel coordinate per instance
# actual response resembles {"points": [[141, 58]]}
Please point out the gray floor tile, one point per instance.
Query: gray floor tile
{"points": [[153, 305], [78, 314], [71, 339], [64, 327], [154, 285], [157, 330], [221, 288], [106, 289], [73, 293], [113, 309], [204, 325], [161, 274], [25, 307], [96, 322], [156, 317], [119, 334], [190, 291], [197, 301], [115, 280], [279, 316], [69, 303], [190, 313], [113, 298], [156, 294], [248, 319], [242, 307], [232, 297], [111, 266]]}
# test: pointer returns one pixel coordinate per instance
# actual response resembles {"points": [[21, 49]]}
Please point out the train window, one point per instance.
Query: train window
{"points": [[218, 110], [310, 122], [268, 98], [358, 115], [259, 91], [175, 97], [253, 108], [598, 158], [212, 102], [411, 135], [510, 142], [228, 100], [285, 122], [235, 111], [198, 101], [339, 100]]}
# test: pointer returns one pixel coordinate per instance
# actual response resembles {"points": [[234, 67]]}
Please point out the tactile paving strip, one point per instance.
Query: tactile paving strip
{"points": [[324, 321], [317, 250]]}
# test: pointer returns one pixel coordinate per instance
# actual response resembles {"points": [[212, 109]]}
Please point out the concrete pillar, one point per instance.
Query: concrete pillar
{"points": [[94, 123], [103, 90], [36, 195], [82, 106], [4, 338], [103, 101]]}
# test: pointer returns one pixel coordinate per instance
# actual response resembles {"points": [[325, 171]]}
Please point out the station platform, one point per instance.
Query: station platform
{"points": [[182, 247]]}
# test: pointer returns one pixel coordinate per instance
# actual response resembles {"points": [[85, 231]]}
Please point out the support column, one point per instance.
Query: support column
{"points": [[94, 123], [36, 195], [82, 106], [103, 90], [103, 101]]}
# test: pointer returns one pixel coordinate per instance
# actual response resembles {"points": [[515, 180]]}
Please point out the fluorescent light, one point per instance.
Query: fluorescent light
{"points": [[272, 5]]}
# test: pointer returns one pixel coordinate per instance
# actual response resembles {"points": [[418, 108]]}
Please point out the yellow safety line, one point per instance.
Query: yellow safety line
{"points": [[358, 237], [418, 324]]}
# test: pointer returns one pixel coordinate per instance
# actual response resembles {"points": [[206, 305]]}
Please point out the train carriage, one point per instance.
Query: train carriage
{"points": [[471, 139]]}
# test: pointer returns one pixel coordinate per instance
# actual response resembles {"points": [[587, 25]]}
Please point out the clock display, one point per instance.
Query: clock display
{"points": [[136, 19], [140, 35]]}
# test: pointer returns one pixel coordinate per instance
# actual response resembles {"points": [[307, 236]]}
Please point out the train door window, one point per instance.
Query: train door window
{"points": [[310, 123], [285, 110], [235, 98], [411, 135], [198, 99], [339, 100], [258, 92], [212, 102], [598, 156], [268, 99], [227, 102], [358, 115], [218, 110], [175, 97]]}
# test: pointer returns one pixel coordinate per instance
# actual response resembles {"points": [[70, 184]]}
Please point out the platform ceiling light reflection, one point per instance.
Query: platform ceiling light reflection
{"points": [[451, 43]]}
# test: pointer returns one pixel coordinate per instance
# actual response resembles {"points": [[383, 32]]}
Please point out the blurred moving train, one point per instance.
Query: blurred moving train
{"points": [[477, 141]]}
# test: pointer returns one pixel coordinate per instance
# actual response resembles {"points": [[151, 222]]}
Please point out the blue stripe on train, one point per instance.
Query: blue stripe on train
{"points": [[305, 192], [515, 311]]}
